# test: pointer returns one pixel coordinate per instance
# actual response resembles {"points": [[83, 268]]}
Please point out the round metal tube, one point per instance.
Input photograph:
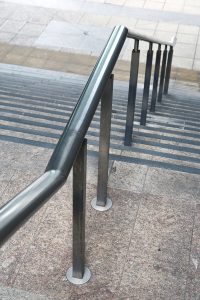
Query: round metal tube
{"points": [[14, 213], [74, 133], [136, 35]]}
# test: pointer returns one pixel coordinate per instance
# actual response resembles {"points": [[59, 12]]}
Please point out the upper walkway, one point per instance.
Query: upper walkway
{"points": [[83, 26]]}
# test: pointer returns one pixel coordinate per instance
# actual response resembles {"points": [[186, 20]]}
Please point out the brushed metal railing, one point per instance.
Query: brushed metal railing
{"points": [[163, 84], [71, 149]]}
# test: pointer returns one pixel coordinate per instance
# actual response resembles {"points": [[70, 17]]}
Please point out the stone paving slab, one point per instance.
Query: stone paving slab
{"points": [[192, 287], [143, 253], [125, 177], [7, 293], [157, 261], [169, 183]]}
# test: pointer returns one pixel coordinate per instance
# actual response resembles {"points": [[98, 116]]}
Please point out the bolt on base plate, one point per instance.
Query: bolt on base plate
{"points": [[86, 276], [101, 208]]}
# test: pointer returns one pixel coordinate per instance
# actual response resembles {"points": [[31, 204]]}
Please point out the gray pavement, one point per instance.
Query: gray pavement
{"points": [[146, 247], [84, 26]]}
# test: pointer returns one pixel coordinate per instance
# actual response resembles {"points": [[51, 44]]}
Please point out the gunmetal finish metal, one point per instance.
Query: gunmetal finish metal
{"points": [[79, 273], [19, 209], [146, 85], [168, 70], [79, 199], [79, 122], [132, 94], [78, 281], [101, 208], [162, 75], [138, 36], [155, 81], [104, 142]]}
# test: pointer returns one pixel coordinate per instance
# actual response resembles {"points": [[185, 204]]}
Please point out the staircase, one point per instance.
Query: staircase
{"points": [[146, 246], [36, 104]]}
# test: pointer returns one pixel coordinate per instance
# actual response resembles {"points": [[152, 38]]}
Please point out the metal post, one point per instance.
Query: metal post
{"points": [[146, 85], [78, 273], [132, 93], [168, 70], [162, 75], [103, 203], [155, 81]]}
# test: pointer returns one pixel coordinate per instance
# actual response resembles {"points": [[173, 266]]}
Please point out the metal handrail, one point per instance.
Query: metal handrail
{"points": [[71, 148], [138, 36], [14, 213]]}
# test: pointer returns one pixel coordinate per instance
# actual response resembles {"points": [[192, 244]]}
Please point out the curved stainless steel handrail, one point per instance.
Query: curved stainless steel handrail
{"points": [[138, 36], [15, 212]]}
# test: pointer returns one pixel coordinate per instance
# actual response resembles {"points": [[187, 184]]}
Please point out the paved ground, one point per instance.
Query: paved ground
{"points": [[83, 26], [146, 247]]}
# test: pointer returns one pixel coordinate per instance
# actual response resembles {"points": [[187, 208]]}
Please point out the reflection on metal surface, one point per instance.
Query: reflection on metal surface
{"points": [[78, 281], [107, 206]]}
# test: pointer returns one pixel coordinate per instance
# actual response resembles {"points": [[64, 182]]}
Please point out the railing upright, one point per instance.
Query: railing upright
{"points": [[168, 70], [135, 58], [155, 81], [102, 202], [146, 85], [78, 273], [162, 75]]}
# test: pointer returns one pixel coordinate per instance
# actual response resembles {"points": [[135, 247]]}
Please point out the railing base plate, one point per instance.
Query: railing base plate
{"points": [[86, 276], [99, 207]]}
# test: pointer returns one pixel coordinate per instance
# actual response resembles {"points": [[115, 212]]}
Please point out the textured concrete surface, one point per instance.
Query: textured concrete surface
{"points": [[11, 293], [145, 247], [84, 26]]}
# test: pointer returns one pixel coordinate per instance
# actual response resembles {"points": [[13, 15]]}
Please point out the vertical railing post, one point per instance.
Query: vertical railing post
{"points": [[102, 202], [155, 81], [146, 85], [168, 70], [132, 94], [78, 273], [162, 75]]}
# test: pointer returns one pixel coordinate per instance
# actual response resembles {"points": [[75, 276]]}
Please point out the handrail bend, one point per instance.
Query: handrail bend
{"points": [[14, 213], [138, 36]]}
